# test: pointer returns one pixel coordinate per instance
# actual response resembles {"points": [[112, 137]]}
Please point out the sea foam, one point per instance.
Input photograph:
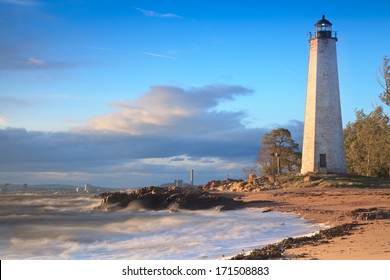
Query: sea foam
{"points": [[67, 227]]}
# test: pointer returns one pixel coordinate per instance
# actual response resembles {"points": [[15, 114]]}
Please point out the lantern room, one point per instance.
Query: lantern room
{"points": [[323, 29]]}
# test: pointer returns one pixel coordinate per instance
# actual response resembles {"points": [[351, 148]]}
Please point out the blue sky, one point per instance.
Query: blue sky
{"points": [[131, 93]]}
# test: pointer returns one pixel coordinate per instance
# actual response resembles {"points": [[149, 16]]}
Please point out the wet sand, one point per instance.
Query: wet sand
{"points": [[368, 240]]}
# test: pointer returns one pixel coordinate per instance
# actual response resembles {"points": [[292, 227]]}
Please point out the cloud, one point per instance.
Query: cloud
{"points": [[149, 13], [35, 61], [14, 58], [2, 121], [28, 50], [168, 110], [118, 159], [153, 139], [159, 55]]}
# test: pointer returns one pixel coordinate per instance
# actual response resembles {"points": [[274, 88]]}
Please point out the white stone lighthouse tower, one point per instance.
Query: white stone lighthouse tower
{"points": [[323, 140]]}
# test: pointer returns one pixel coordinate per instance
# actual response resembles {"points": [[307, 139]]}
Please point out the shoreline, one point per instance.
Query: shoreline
{"points": [[358, 220]]}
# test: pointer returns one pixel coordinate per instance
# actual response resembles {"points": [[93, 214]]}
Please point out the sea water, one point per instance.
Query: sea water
{"points": [[70, 227]]}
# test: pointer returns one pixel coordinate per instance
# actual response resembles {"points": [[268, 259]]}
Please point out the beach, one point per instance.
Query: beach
{"points": [[309, 222], [81, 227], [368, 240]]}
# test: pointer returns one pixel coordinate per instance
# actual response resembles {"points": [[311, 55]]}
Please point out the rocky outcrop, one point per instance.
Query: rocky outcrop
{"points": [[252, 184], [159, 198], [370, 214]]}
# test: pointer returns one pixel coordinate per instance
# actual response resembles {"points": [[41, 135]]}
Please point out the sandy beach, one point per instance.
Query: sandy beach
{"points": [[368, 240]]}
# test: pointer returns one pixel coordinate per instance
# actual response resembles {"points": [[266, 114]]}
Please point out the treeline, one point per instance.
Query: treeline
{"points": [[367, 139]]}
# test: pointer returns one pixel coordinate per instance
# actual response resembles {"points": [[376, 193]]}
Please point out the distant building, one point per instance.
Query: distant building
{"points": [[25, 187], [87, 188], [178, 183], [6, 188], [192, 177]]}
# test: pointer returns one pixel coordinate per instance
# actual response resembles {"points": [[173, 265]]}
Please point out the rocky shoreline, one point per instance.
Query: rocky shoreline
{"points": [[172, 198], [359, 221], [277, 250], [356, 209]]}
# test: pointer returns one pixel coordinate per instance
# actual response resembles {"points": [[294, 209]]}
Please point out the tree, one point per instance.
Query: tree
{"points": [[367, 144], [367, 140], [278, 153], [385, 84], [385, 95]]}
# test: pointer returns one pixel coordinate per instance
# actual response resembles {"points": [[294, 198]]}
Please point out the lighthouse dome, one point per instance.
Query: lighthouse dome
{"points": [[323, 22]]}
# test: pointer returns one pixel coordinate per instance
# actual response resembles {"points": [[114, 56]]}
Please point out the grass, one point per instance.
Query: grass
{"points": [[332, 180]]}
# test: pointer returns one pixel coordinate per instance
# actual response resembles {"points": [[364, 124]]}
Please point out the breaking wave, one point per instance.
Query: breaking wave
{"points": [[68, 227]]}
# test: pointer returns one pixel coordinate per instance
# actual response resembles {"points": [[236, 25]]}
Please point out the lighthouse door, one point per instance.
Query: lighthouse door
{"points": [[322, 167]]}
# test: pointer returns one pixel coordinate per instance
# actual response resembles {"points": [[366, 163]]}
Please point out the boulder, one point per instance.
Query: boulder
{"points": [[159, 198], [271, 179], [252, 176]]}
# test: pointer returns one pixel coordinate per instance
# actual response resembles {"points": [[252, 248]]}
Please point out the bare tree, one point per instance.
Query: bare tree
{"points": [[385, 84]]}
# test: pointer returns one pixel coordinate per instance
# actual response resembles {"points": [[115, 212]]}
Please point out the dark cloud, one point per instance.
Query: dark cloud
{"points": [[65, 151], [118, 157], [161, 135]]}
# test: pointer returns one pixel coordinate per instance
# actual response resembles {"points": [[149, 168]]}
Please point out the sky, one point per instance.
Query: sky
{"points": [[134, 93]]}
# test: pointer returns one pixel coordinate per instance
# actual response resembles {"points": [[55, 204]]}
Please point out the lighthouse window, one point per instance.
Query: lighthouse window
{"points": [[322, 160]]}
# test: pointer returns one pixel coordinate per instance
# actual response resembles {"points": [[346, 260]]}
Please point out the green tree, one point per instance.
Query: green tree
{"points": [[367, 139], [278, 153], [366, 142]]}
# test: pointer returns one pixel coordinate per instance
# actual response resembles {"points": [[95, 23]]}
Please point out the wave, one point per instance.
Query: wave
{"points": [[69, 228]]}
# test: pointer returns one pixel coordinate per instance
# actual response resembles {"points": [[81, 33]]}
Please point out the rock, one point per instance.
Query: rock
{"points": [[252, 176], [275, 251], [307, 179], [252, 184], [370, 214], [159, 198], [269, 252]]}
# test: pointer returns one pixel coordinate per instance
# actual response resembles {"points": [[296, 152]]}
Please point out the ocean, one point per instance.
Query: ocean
{"points": [[67, 226]]}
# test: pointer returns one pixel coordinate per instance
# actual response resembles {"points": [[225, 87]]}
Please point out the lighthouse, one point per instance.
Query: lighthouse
{"points": [[323, 140]]}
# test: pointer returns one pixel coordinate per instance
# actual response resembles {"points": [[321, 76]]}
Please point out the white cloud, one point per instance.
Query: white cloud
{"points": [[156, 14], [167, 110], [63, 175], [35, 61], [159, 55], [2, 121]]}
